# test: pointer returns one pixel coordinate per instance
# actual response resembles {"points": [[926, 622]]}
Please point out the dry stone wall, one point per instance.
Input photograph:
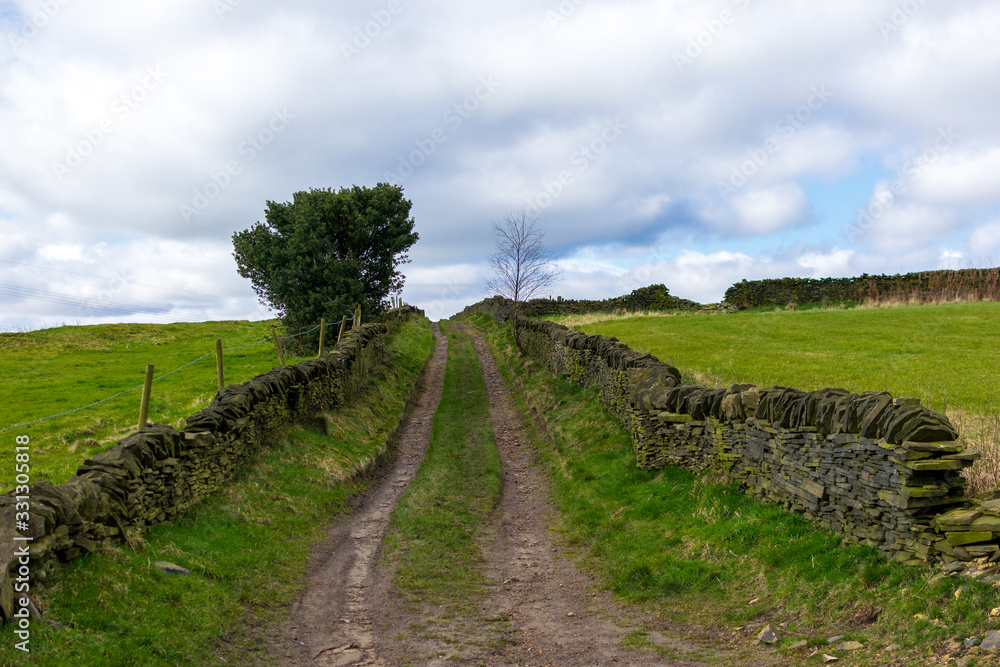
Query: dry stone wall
{"points": [[882, 471], [157, 473]]}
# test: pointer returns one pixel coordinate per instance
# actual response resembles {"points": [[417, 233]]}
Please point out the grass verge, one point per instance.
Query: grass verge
{"points": [[247, 547], [698, 551], [432, 541]]}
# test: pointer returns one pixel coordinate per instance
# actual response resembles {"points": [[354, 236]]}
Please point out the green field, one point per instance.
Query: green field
{"points": [[947, 355], [52, 371]]}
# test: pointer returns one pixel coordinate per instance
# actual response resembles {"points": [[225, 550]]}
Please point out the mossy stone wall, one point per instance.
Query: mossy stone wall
{"points": [[159, 472], [881, 470]]}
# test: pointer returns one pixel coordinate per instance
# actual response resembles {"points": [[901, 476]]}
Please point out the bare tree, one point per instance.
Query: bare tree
{"points": [[521, 265]]}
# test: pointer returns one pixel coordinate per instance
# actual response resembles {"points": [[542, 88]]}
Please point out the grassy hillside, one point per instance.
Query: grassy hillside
{"points": [[947, 355], [52, 371]]}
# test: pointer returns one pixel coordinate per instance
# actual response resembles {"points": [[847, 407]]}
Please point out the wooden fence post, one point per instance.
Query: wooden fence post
{"points": [[357, 319], [277, 346], [322, 332], [343, 323], [218, 363], [147, 389]]}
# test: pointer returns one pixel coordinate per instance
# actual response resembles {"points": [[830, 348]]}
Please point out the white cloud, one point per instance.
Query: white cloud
{"points": [[822, 265], [951, 257], [985, 237], [765, 211], [61, 252], [907, 226], [651, 207], [964, 177]]}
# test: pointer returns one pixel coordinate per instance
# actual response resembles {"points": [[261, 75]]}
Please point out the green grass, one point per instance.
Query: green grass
{"points": [[52, 371], [434, 530], [697, 550], [247, 546], [947, 355]]}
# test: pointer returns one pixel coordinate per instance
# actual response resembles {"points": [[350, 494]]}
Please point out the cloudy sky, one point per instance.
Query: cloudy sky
{"points": [[693, 143]]}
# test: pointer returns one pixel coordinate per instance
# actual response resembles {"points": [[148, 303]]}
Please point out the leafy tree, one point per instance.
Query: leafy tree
{"points": [[521, 264], [325, 252]]}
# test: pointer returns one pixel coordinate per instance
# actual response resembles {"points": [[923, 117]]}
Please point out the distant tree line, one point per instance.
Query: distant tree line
{"points": [[652, 297], [920, 287]]}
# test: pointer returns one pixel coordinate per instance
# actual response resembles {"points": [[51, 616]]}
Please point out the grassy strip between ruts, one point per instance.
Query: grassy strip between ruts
{"points": [[700, 552], [433, 533], [247, 547]]}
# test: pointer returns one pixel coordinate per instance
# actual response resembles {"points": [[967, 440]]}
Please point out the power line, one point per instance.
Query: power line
{"points": [[111, 306]]}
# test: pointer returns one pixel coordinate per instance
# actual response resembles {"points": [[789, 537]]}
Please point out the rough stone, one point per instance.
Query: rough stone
{"points": [[991, 642], [968, 537], [767, 635]]}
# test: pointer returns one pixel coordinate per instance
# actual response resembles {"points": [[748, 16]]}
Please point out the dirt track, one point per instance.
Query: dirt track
{"points": [[332, 622], [540, 609]]}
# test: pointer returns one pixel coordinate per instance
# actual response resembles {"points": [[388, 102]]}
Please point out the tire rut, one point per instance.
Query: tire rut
{"points": [[332, 621]]}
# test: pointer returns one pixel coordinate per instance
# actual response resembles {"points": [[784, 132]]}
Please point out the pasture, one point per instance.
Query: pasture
{"points": [[53, 371], [947, 355]]}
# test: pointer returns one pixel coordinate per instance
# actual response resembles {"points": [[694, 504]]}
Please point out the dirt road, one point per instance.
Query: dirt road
{"points": [[332, 622], [540, 610]]}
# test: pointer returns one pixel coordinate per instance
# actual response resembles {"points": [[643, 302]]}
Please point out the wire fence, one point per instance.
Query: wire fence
{"points": [[267, 339]]}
